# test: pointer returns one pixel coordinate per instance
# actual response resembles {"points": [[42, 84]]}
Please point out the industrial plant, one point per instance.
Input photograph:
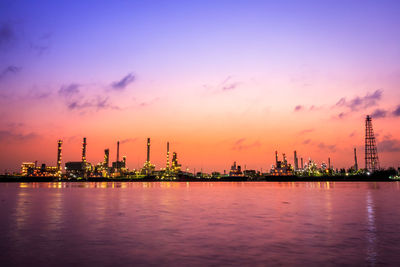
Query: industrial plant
{"points": [[83, 170]]}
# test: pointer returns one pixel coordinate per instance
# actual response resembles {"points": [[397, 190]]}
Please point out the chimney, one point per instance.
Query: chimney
{"points": [[117, 152], [59, 155], [355, 159], [167, 155], [148, 149], [84, 150]]}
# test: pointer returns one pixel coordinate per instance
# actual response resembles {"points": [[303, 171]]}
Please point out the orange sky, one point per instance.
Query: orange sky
{"points": [[221, 84]]}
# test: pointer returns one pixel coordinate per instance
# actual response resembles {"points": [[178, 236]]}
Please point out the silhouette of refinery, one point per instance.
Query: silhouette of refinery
{"points": [[76, 170]]}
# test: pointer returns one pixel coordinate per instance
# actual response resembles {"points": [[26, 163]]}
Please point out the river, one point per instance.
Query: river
{"points": [[200, 223]]}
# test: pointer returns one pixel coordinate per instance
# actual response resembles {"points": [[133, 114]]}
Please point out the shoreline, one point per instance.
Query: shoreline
{"points": [[355, 178]]}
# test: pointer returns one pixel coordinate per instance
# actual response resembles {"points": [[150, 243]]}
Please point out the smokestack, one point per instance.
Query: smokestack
{"points": [[167, 155], [84, 150], [329, 163], [302, 166], [106, 157], [276, 158], [117, 152], [59, 155], [355, 159], [148, 149], [296, 161], [174, 159]]}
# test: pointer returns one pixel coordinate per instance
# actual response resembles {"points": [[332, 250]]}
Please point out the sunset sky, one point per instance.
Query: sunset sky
{"points": [[222, 81]]}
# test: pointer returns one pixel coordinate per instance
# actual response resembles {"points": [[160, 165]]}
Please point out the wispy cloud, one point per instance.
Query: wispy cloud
{"points": [[356, 103], [128, 140], [7, 33], [9, 70], [305, 131], [42, 44], [77, 100], [307, 141], [69, 90], [324, 146], [38, 95], [298, 108], [124, 82], [396, 112], [148, 103], [241, 144], [304, 108], [40, 49], [388, 144], [8, 135], [379, 113], [352, 134], [98, 103], [228, 84], [341, 115]]}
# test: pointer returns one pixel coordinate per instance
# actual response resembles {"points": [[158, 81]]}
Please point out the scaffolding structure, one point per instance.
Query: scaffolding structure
{"points": [[371, 152]]}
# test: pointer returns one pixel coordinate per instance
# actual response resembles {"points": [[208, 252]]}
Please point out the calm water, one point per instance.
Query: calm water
{"points": [[108, 224]]}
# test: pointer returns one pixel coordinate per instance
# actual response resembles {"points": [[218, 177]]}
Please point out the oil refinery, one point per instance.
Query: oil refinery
{"points": [[83, 170]]}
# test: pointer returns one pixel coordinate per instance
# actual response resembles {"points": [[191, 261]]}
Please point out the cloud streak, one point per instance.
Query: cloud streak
{"points": [[9, 70], [305, 131], [69, 90], [98, 103], [124, 82], [228, 84], [379, 113], [358, 102], [240, 145], [7, 34], [324, 146], [388, 144], [396, 112], [76, 100], [128, 140], [6, 135], [298, 108]]}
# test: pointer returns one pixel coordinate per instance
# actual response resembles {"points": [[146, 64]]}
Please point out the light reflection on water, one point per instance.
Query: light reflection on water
{"points": [[371, 230], [311, 185], [193, 223]]}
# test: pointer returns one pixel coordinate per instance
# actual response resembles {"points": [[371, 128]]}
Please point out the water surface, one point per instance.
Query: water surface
{"points": [[199, 223]]}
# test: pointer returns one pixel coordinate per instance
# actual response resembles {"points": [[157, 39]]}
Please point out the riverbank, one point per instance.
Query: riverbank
{"points": [[344, 178]]}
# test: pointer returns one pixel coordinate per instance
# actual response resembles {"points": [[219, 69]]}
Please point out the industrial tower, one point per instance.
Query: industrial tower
{"points": [[106, 158], [59, 151], [371, 152], [355, 160], [167, 165], [84, 144], [148, 150]]}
